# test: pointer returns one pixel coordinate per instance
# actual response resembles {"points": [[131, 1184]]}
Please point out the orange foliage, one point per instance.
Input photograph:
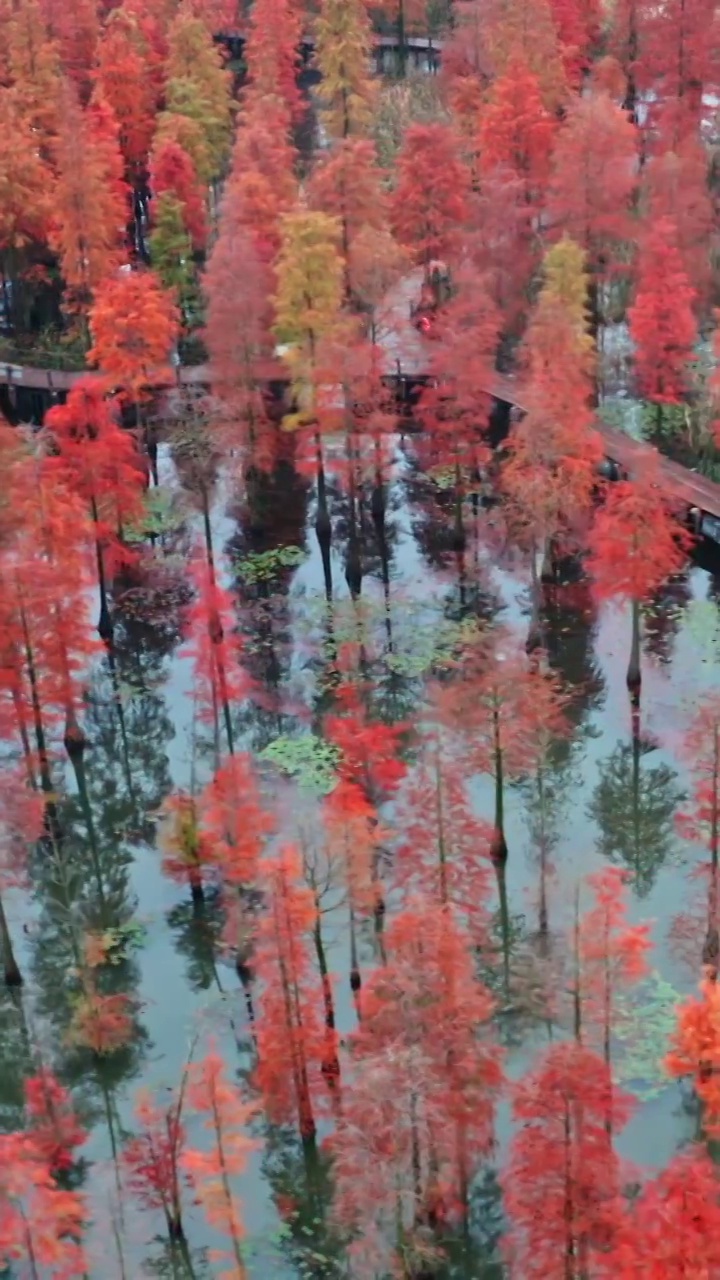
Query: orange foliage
{"points": [[695, 1050], [134, 326]]}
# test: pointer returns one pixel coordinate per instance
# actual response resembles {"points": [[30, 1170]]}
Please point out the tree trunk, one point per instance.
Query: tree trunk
{"points": [[402, 41], [633, 678], [105, 625], [498, 849], [13, 976]]}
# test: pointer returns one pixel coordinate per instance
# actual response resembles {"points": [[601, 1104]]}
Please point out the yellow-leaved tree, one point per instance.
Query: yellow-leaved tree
{"points": [[343, 42], [308, 302], [199, 87]]}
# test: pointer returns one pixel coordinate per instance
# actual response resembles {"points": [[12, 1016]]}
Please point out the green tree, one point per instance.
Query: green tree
{"points": [[172, 254], [199, 87], [634, 809]]}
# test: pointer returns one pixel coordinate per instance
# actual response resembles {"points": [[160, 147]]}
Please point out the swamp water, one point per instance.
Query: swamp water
{"points": [[613, 798]]}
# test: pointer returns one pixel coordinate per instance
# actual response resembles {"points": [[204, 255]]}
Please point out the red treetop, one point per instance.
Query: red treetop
{"points": [[271, 57], [516, 129], [578, 26], [695, 1050], [594, 176], [134, 326], [636, 542], [51, 1120], [429, 203], [679, 57], [662, 324], [97, 459], [418, 1114], [672, 1229], [233, 822]]}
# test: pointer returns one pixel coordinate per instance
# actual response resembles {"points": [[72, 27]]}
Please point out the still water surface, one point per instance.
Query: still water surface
{"points": [[608, 806]]}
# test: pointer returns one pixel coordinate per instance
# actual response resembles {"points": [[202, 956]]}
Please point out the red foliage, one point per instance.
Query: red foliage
{"points": [[676, 183], [124, 75], [99, 462], [578, 25], [636, 542], [51, 1122], [101, 1023], [237, 330], [294, 1044], [466, 64], [594, 177], [671, 1231], [418, 1112], [91, 207], [550, 476], [76, 29], [369, 748], [22, 813], [700, 748], [504, 705], [455, 408], [348, 185], [40, 1224], [504, 246], [517, 131], [172, 170], [152, 1159], [104, 132], [613, 953], [214, 648], [46, 577], [679, 60], [662, 324], [444, 850], [561, 1182], [134, 325], [233, 822], [429, 203], [261, 186], [353, 834], [272, 57], [186, 849]]}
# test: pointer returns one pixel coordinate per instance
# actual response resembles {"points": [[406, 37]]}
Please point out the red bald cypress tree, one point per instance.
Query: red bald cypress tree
{"points": [[429, 203], [294, 1044], [662, 324], [635, 544], [561, 1181]]}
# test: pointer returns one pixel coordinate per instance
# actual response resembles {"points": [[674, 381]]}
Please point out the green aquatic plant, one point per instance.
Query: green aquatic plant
{"points": [[310, 761]]}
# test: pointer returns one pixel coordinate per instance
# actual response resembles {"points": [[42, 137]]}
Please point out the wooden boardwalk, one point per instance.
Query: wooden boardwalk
{"points": [[408, 361]]}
